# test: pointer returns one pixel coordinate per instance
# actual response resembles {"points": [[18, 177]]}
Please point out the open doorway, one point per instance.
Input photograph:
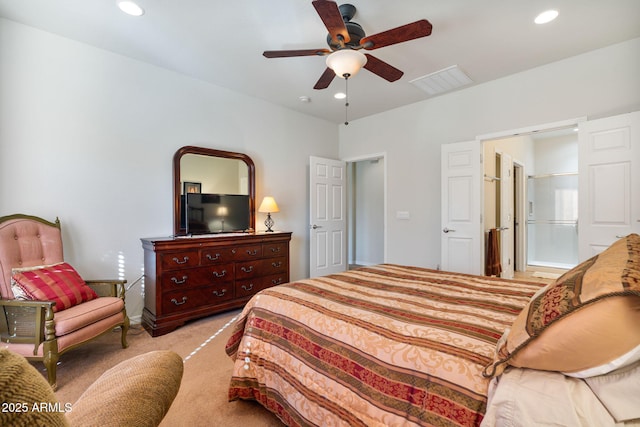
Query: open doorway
{"points": [[543, 199], [366, 210]]}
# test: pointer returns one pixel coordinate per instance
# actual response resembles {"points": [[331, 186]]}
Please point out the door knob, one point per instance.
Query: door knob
{"points": [[316, 226], [447, 230]]}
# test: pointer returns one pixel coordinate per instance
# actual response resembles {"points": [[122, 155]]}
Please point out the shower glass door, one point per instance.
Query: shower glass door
{"points": [[552, 223]]}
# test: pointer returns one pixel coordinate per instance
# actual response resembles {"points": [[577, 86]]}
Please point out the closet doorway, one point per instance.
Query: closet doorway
{"points": [[366, 205], [542, 235]]}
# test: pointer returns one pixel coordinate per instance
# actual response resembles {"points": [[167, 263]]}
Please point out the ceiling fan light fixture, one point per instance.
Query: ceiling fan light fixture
{"points": [[346, 62]]}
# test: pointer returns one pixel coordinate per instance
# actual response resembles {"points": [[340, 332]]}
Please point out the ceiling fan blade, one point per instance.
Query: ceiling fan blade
{"points": [[299, 52], [415, 30], [325, 79], [382, 69], [332, 19]]}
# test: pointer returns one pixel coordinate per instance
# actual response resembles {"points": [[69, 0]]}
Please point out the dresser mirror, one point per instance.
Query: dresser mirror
{"points": [[209, 171]]}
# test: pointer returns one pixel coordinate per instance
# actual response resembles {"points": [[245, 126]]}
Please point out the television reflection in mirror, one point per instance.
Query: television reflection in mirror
{"points": [[216, 213]]}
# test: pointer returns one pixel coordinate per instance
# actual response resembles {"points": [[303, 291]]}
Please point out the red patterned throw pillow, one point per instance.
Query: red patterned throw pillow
{"points": [[60, 283]]}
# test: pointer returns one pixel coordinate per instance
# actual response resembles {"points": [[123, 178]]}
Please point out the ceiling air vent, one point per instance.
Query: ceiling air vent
{"points": [[442, 81]]}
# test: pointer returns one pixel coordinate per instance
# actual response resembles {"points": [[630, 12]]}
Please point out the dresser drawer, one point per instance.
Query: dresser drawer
{"points": [[275, 249], [217, 293], [216, 255], [249, 287], [193, 277], [247, 252], [275, 279], [248, 269], [188, 299], [182, 300], [274, 265], [179, 260]]}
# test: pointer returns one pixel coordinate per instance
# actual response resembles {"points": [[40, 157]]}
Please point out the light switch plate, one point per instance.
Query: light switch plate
{"points": [[402, 215]]}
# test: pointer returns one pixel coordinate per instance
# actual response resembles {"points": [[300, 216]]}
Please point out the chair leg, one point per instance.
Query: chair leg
{"points": [[50, 361], [125, 329]]}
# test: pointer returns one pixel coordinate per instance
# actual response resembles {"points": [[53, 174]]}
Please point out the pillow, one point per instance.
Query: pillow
{"points": [[59, 283], [587, 318], [25, 394], [618, 392], [17, 291]]}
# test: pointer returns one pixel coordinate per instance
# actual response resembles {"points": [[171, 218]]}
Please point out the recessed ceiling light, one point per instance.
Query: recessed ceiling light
{"points": [[340, 95], [546, 16], [130, 8]]}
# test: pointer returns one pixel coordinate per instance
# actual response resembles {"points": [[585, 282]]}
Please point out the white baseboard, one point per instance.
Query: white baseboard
{"points": [[135, 320], [365, 263]]}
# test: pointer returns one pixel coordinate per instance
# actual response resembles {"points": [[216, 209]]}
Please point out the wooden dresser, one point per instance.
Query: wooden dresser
{"points": [[191, 277]]}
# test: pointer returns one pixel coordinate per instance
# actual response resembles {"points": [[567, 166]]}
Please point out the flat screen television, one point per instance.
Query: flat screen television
{"points": [[216, 213]]}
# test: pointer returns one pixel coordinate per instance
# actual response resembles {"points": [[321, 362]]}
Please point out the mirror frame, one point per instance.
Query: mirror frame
{"points": [[251, 170]]}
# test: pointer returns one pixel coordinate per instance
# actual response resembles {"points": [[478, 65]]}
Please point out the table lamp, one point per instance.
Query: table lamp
{"points": [[268, 206]]}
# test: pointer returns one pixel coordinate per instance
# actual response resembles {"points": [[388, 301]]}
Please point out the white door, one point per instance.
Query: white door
{"points": [[462, 242], [506, 216], [609, 181], [328, 216]]}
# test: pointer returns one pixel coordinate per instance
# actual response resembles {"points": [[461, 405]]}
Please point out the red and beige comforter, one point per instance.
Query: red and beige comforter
{"points": [[378, 346]]}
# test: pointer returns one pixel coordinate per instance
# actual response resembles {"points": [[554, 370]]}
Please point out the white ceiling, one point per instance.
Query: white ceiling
{"points": [[222, 41]]}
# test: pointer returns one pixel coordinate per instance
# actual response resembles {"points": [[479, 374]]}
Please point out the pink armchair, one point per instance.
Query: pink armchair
{"points": [[43, 330]]}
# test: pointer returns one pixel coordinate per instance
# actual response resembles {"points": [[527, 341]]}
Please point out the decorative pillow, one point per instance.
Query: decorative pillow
{"points": [[17, 291], [25, 395], [59, 283], [588, 317]]}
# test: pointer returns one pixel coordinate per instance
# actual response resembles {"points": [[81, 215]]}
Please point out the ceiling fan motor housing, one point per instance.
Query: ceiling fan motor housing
{"points": [[347, 11]]}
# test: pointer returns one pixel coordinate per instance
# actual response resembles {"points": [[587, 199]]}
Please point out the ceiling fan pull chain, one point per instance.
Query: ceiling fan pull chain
{"points": [[346, 99]]}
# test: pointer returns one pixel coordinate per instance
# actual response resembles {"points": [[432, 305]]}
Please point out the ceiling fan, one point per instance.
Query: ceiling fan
{"points": [[347, 38]]}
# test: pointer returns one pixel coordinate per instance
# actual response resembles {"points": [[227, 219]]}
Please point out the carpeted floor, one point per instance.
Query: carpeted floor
{"points": [[202, 399]]}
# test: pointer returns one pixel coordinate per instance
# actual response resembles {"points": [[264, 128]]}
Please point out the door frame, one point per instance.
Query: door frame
{"points": [[545, 127], [520, 232], [349, 161]]}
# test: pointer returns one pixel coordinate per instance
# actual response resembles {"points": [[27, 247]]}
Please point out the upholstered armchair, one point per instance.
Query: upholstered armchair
{"points": [[46, 308]]}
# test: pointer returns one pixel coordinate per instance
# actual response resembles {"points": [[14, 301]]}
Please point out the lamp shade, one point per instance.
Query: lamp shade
{"points": [[268, 205], [346, 62]]}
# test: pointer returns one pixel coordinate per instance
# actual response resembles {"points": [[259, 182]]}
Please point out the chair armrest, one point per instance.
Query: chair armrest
{"points": [[110, 288], [136, 392], [26, 322]]}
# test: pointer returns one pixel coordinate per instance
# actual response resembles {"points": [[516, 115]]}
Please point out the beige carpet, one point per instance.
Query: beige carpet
{"points": [[202, 399]]}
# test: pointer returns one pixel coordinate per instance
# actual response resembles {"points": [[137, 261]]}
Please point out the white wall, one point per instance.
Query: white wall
{"points": [[596, 84], [89, 136]]}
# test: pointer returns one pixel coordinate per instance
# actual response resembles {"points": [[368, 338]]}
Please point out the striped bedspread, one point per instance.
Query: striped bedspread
{"points": [[387, 345]]}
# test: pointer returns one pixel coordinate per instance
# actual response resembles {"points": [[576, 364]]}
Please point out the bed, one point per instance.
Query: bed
{"points": [[394, 345]]}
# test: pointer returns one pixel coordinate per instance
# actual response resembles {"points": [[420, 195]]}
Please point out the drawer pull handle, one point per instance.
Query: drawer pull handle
{"points": [[219, 294], [276, 264], [252, 252], [184, 260], [247, 269], [224, 273], [179, 281], [247, 288], [277, 281], [213, 258], [275, 250], [175, 301]]}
